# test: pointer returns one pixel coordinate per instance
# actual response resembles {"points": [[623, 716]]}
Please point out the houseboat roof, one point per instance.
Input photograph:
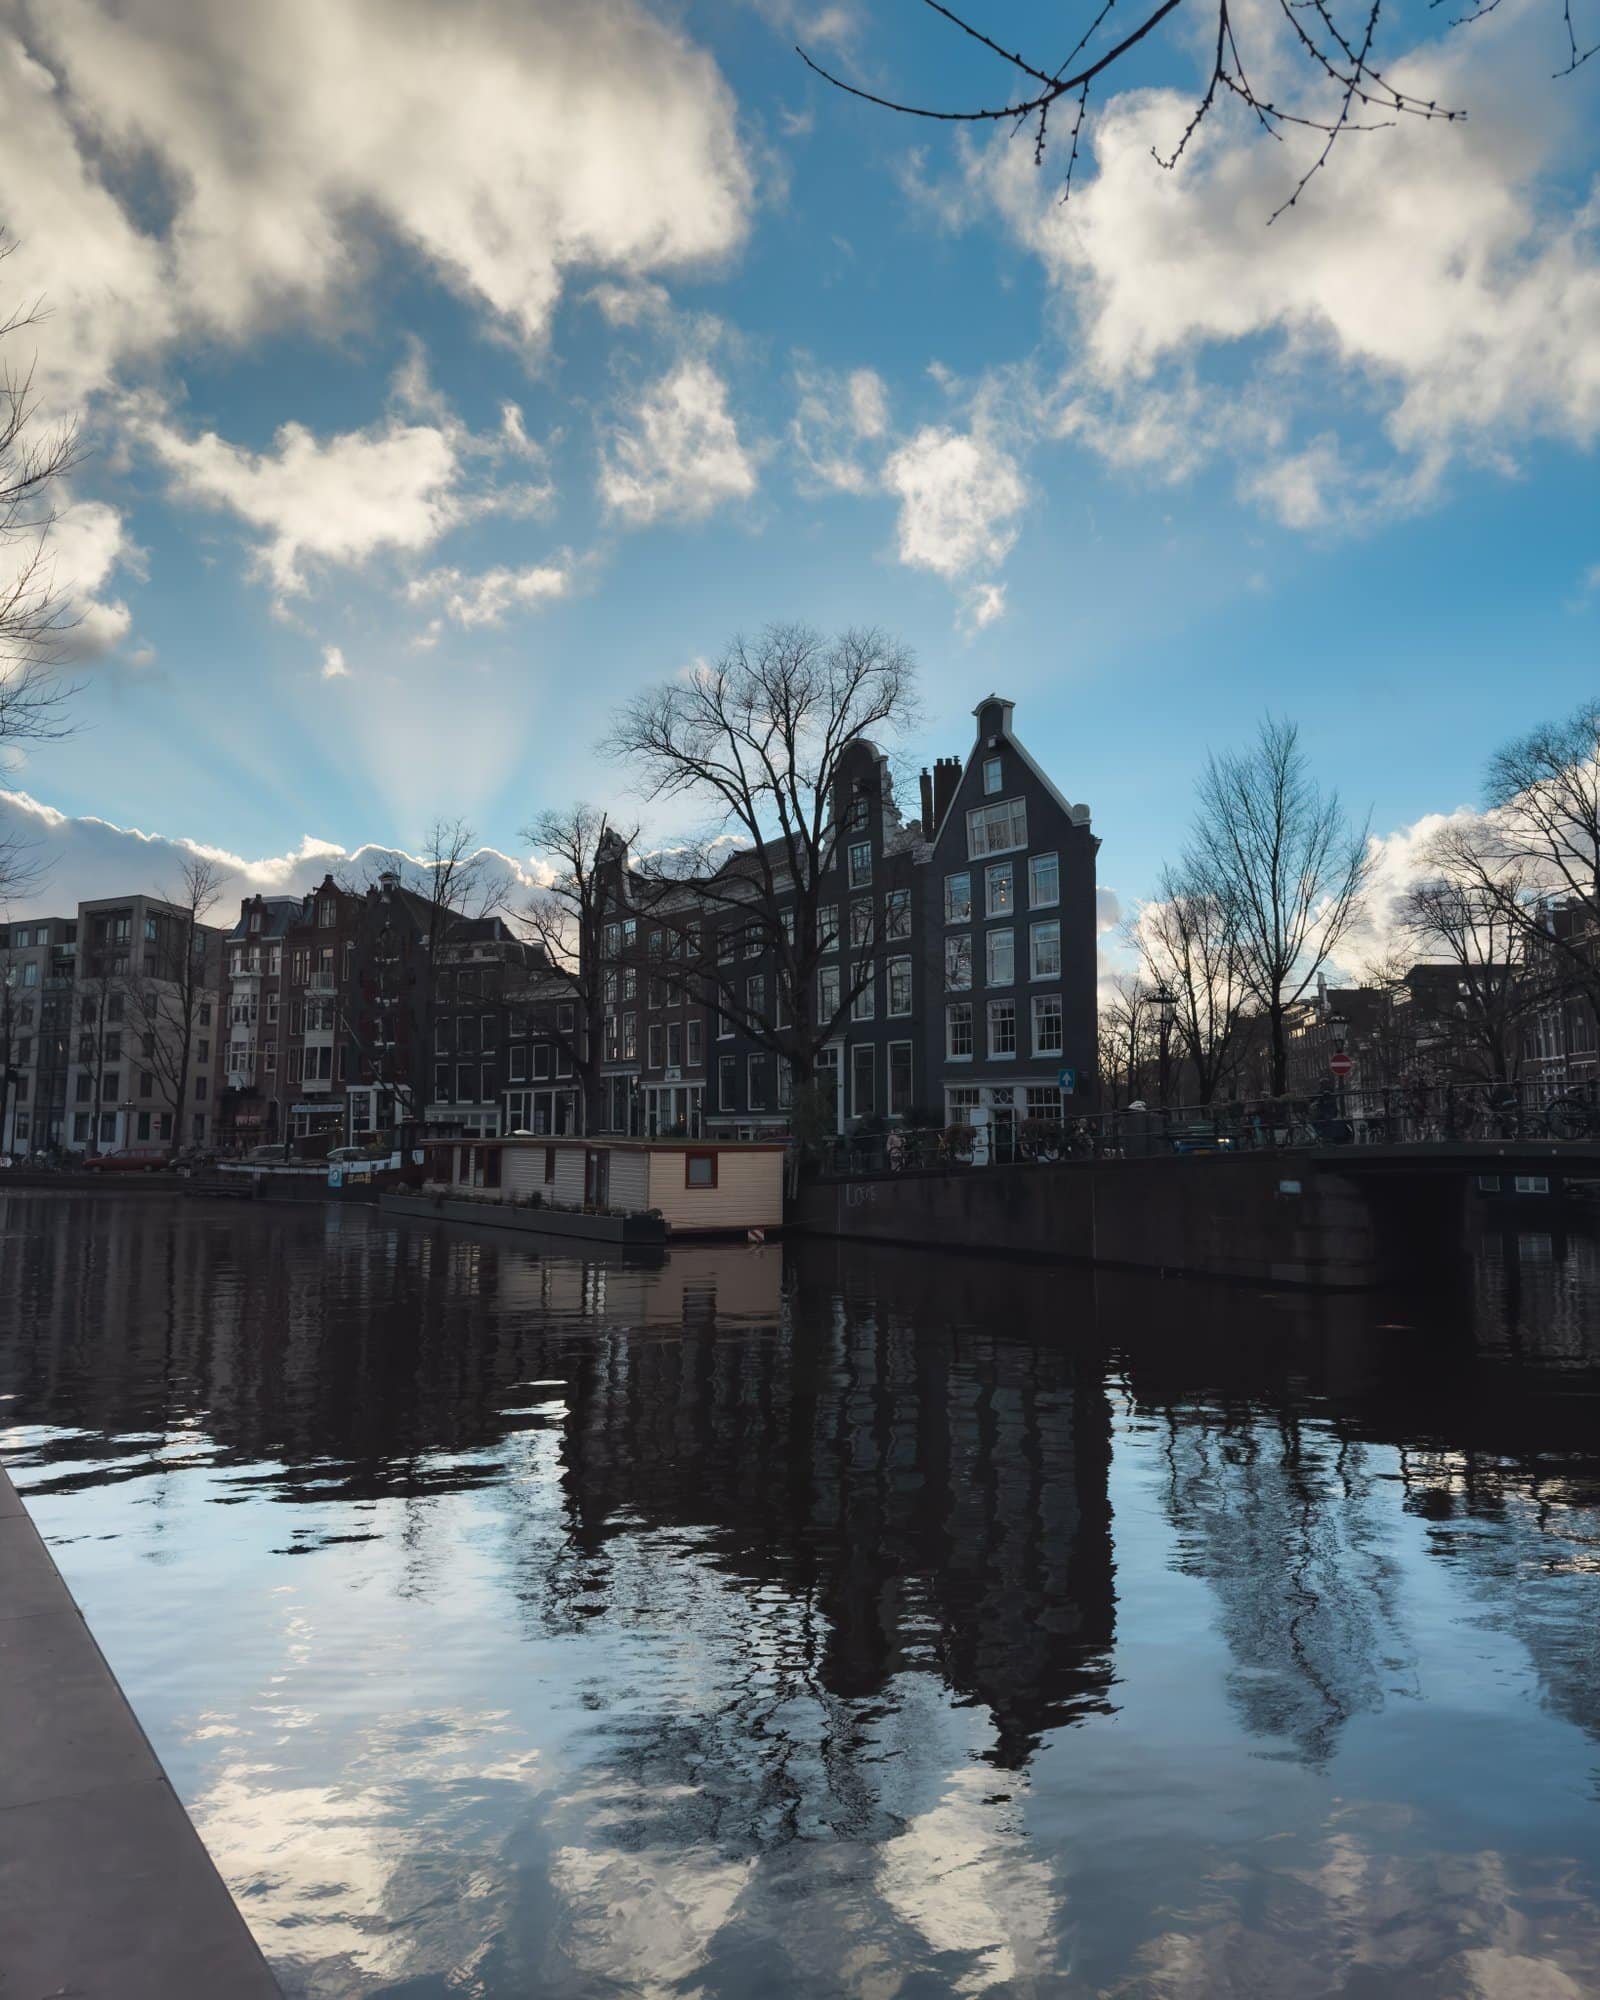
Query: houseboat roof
{"points": [[613, 1140]]}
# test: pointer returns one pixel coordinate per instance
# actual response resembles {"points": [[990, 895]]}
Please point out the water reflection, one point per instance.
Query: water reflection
{"points": [[765, 1622]]}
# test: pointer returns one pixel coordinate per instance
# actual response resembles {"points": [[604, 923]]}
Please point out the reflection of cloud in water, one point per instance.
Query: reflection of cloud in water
{"points": [[958, 1874], [646, 1918], [383, 1874], [1358, 1917]]}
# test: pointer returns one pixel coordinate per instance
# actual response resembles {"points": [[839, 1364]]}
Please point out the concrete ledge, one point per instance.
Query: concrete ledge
{"points": [[106, 1890]]}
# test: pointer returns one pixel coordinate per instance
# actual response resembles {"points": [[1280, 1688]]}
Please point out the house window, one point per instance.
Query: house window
{"points": [[958, 898], [564, 1057], [899, 1079], [517, 1067], [861, 922], [757, 1099], [997, 829], [957, 964], [755, 998], [724, 1026], [727, 1083], [860, 863], [697, 1054], [147, 1083], [466, 1081], [897, 915], [827, 994], [110, 1085], [827, 926], [1002, 1027], [863, 999], [754, 940], [1047, 1039], [899, 986], [80, 1126], [1002, 955], [993, 777], [999, 900], [1044, 947], [653, 1045], [1044, 881], [863, 1080], [108, 1127], [699, 1170]]}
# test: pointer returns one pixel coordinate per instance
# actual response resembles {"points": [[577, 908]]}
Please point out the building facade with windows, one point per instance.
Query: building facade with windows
{"points": [[38, 965], [1011, 900]]}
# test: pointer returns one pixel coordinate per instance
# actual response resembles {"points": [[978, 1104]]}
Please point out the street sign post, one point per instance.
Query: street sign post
{"points": [[1068, 1079], [1340, 1064]]}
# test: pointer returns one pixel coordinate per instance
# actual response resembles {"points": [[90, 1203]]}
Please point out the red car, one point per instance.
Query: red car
{"points": [[128, 1163]]}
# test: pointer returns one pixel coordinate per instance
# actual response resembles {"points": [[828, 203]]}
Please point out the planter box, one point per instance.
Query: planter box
{"points": [[649, 1231]]}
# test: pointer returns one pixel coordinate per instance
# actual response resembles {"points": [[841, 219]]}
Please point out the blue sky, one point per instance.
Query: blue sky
{"points": [[452, 372]]}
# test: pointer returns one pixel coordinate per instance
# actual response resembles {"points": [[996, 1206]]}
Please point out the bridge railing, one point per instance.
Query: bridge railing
{"points": [[1400, 1114]]}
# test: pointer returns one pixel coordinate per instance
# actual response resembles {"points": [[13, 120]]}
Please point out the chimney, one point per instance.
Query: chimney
{"points": [[927, 805], [946, 778]]}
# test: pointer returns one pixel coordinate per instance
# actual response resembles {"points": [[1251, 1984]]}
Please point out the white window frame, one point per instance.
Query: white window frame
{"points": [[754, 1068], [864, 1001], [993, 876], [827, 927], [1035, 971], [899, 968], [1035, 900], [860, 877], [951, 1052], [727, 1071], [980, 820], [990, 940], [828, 975], [991, 1010], [888, 1079], [857, 1050], [958, 950], [964, 917], [1040, 1002], [994, 777]]}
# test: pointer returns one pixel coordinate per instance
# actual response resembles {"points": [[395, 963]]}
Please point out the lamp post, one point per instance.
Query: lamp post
{"points": [[1166, 1007], [126, 1108]]}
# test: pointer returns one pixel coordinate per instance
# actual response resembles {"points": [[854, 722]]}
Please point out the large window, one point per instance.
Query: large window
{"points": [[1047, 1024], [998, 886], [899, 1079], [957, 964], [1002, 957], [899, 986], [653, 1045], [1002, 1027], [697, 1054], [755, 998], [827, 926], [864, 997], [958, 1031], [863, 1080], [758, 1083], [997, 829], [1044, 881], [1044, 945], [827, 994], [958, 898], [727, 1083], [897, 915], [861, 922], [860, 863], [993, 776], [675, 1045]]}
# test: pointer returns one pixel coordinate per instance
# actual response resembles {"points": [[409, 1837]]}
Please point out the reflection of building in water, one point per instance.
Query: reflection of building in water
{"points": [[934, 1493]]}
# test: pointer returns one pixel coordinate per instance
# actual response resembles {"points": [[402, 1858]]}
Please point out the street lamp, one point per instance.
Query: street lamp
{"points": [[126, 1108], [1166, 1008]]}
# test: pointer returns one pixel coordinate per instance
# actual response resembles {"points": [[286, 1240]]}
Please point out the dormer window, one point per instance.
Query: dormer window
{"points": [[993, 777], [858, 815], [255, 920]]}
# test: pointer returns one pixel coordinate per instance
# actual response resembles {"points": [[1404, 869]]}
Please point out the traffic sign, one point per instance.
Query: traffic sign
{"points": [[1068, 1079], [1341, 1064]]}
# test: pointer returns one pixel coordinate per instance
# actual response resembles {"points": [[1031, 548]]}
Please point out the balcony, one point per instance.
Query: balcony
{"points": [[316, 1086], [322, 982]]}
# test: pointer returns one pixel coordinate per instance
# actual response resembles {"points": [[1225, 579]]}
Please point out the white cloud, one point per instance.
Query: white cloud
{"points": [[333, 664], [84, 546], [506, 145], [986, 605], [835, 416], [959, 497], [317, 500], [485, 598], [84, 857], [1429, 289], [678, 452]]}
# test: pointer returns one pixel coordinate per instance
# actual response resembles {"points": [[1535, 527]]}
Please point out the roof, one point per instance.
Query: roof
{"points": [[613, 1142]]}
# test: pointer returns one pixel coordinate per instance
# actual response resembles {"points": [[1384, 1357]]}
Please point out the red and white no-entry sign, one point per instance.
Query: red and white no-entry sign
{"points": [[1340, 1064]]}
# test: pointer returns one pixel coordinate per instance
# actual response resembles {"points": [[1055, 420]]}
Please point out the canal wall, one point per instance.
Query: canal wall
{"points": [[1269, 1219], [106, 1890]]}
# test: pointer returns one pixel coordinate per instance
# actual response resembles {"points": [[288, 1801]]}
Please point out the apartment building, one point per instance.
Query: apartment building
{"points": [[957, 951], [38, 964]]}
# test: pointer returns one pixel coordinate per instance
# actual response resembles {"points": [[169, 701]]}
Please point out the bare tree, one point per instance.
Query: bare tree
{"points": [[411, 940], [1454, 918], [1335, 46], [165, 998], [1126, 1027], [760, 742], [1189, 945], [33, 612], [1539, 845], [566, 921], [1280, 855]]}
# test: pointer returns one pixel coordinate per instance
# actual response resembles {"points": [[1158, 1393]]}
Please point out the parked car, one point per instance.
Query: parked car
{"points": [[343, 1155], [127, 1163], [265, 1156]]}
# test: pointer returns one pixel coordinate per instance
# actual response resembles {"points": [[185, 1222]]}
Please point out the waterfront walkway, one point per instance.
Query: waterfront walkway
{"points": [[106, 1891]]}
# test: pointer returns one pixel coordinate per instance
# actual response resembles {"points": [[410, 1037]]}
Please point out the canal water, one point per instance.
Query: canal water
{"points": [[828, 1620]]}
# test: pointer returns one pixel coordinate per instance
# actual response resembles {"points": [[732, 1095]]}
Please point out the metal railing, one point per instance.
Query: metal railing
{"points": [[1414, 1114]]}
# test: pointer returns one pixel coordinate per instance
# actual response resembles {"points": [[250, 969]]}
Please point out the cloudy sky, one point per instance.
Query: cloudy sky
{"points": [[451, 370]]}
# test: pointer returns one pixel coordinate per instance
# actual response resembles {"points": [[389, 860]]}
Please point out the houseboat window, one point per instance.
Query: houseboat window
{"points": [[700, 1170]]}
